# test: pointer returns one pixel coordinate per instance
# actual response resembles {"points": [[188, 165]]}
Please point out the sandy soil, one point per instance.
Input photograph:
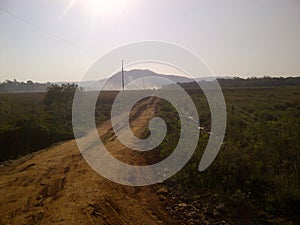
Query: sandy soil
{"points": [[57, 186]]}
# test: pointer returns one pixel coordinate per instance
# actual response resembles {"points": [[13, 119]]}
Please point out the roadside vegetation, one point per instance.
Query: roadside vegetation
{"points": [[32, 121], [258, 164]]}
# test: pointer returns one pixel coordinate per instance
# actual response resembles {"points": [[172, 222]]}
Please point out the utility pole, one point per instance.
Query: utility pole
{"points": [[122, 76]]}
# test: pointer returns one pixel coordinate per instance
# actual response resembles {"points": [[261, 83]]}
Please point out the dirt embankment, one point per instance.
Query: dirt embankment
{"points": [[57, 186]]}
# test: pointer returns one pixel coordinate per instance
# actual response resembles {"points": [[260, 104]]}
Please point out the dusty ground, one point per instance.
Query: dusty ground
{"points": [[57, 186]]}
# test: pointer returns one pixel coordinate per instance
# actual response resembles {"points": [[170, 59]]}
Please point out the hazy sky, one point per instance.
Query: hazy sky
{"points": [[57, 40]]}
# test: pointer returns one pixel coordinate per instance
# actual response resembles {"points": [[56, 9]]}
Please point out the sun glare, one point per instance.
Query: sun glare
{"points": [[103, 7]]}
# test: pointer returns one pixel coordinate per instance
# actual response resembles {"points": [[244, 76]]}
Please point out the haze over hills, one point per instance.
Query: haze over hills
{"points": [[144, 79], [147, 79], [134, 79]]}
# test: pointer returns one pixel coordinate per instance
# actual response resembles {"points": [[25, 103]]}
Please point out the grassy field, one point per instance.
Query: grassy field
{"points": [[20, 115], [28, 123], [258, 164]]}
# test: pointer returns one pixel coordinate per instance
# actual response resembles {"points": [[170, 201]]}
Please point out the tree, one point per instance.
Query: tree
{"points": [[58, 102], [60, 95]]}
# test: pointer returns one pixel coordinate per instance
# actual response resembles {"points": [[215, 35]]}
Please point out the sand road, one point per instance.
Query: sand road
{"points": [[57, 186]]}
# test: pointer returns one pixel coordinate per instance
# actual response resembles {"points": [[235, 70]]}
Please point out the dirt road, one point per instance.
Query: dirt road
{"points": [[57, 186]]}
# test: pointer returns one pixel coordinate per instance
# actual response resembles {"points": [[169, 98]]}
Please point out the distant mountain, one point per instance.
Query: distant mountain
{"points": [[140, 79], [152, 79], [133, 79]]}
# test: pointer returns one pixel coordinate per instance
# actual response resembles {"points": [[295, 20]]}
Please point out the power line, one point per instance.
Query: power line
{"points": [[243, 117], [42, 30], [248, 115]]}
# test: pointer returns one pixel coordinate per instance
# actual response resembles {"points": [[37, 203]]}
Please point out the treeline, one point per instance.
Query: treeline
{"points": [[13, 86], [32, 121], [246, 82], [260, 82]]}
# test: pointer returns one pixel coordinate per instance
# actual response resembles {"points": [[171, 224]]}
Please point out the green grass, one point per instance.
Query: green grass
{"points": [[259, 160], [28, 124]]}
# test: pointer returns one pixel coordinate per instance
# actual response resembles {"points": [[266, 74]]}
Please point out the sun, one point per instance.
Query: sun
{"points": [[103, 7]]}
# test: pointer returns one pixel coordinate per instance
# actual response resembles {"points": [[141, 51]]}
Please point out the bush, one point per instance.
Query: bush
{"points": [[25, 132]]}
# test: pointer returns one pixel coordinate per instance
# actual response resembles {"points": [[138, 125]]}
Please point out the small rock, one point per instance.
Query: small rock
{"points": [[162, 198], [162, 191], [182, 204]]}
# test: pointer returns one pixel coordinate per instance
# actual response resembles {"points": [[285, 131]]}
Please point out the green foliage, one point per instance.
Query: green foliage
{"points": [[60, 95], [104, 104], [259, 159], [32, 121]]}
